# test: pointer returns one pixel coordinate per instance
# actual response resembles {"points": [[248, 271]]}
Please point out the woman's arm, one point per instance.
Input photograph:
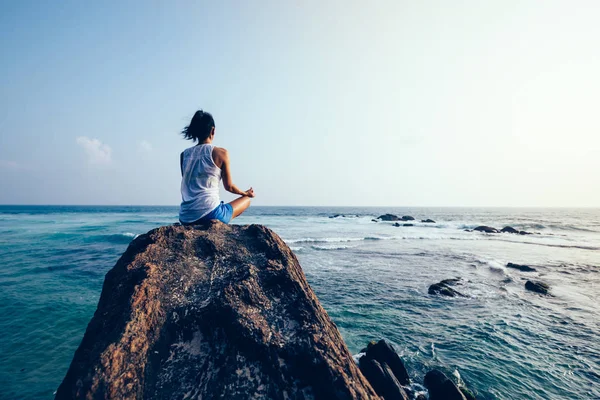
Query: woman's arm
{"points": [[221, 156]]}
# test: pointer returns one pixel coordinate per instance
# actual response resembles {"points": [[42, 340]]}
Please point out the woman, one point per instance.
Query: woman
{"points": [[202, 167]]}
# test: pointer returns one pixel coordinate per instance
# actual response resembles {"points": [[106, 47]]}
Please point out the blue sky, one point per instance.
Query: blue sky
{"points": [[427, 103]]}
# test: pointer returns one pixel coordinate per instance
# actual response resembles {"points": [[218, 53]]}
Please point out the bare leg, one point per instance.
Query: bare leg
{"points": [[240, 205]]}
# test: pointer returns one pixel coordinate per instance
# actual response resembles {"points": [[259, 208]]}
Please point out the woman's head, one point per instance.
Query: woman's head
{"points": [[200, 128]]}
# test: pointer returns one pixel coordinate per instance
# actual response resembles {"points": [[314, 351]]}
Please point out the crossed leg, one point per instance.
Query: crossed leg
{"points": [[239, 205]]}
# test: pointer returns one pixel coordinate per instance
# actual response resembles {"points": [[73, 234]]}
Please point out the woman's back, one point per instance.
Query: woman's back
{"points": [[199, 183]]}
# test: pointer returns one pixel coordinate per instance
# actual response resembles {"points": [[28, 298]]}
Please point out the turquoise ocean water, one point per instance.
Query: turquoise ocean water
{"points": [[372, 278]]}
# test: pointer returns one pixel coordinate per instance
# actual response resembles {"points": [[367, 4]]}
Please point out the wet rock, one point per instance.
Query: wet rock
{"points": [[374, 220], [486, 229], [525, 233], [211, 311], [407, 218], [383, 352], [443, 288], [537, 286], [524, 268], [428, 221], [467, 393], [440, 387], [382, 379], [336, 216], [408, 224], [388, 217], [396, 224], [509, 229]]}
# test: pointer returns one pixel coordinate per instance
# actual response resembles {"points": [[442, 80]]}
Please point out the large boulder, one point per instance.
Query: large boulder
{"points": [[407, 218], [383, 352], [388, 217], [440, 387], [486, 229], [524, 268], [382, 379], [444, 288], [215, 311], [537, 286], [509, 229]]}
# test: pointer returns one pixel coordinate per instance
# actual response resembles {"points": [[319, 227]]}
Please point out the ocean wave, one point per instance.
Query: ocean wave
{"points": [[342, 247]]}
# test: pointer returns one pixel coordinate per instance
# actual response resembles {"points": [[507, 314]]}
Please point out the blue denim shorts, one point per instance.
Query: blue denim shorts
{"points": [[223, 212]]}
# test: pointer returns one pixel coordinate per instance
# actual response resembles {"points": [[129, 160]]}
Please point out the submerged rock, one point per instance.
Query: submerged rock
{"points": [[486, 229], [524, 268], [428, 221], [215, 311], [509, 229], [443, 288], [440, 387], [407, 218], [537, 286], [408, 224], [388, 217]]}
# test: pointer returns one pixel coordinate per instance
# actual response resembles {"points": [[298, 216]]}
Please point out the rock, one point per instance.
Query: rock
{"points": [[374, 220], [407, 218], [537, 286], [388, 217], [336, 216], [443, 288], [467, 393], [524, 268], [509, 229], [396, 224], [468, 230], [211, 311], [525, 233], [486, 229], [428, 221], [383, 352], [440, 387], [382, 379], [408, 224]]}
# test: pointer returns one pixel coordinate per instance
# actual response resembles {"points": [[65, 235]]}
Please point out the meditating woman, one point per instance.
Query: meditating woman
{"points": [[202, 167]]}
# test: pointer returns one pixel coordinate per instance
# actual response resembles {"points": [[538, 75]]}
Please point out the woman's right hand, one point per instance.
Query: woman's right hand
{"points": [[249, 193]]}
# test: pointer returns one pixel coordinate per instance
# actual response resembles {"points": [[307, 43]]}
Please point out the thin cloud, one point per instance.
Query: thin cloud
{"points": [[98, 153], [7, 164], [145, 146]]}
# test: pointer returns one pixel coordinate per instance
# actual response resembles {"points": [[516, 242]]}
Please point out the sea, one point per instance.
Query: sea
{"points": [[501, 340]]}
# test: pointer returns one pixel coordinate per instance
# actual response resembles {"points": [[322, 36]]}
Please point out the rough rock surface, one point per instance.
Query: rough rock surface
{"points": [[216, 311], [524, 268], [388, 217], [443, 288], [536, 286], [440, 387], [486, 229]]}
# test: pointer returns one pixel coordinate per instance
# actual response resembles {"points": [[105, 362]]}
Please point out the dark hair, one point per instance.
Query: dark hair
{"points": [[200, 127]]}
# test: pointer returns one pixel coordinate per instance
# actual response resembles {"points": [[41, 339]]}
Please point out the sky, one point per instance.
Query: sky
{"points": [[319, 103]]}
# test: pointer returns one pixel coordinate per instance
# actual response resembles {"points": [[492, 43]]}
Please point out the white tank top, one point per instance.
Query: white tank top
{"points": [[199, 183]]}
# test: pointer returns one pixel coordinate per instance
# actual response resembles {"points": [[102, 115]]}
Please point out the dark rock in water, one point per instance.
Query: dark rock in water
{"points": [[383, 352], [428, 221], [382, 379], [396, 224], [440, 387], [388, 217], [525, 233], [450, 282], [374, 220], [443, 288], [486, 229], [407, 218], [509, 229], [468, 230], [211, 311], [421, 397], [408, 224], [537, 286], [524, 268], [336, 216]]}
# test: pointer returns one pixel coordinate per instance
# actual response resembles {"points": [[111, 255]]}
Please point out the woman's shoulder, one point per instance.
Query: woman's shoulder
{"points": [[219, 155]]}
